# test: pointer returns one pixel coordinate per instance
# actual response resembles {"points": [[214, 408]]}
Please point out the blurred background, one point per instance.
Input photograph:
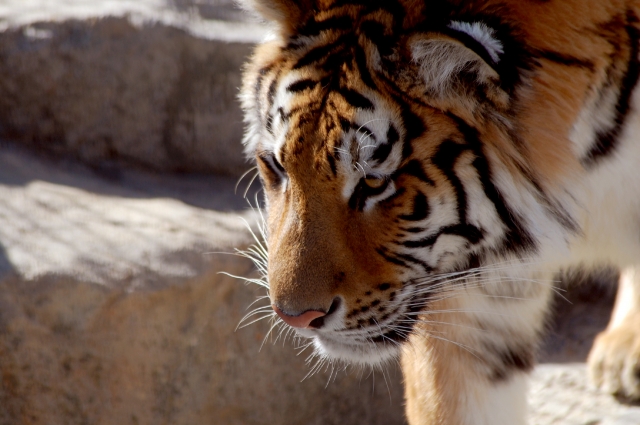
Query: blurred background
{"points": [[120, 155]]}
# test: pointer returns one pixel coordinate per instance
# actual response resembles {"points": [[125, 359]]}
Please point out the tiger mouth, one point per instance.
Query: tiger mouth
{"points": [[371, 345], [365, 348], [372, 351]]}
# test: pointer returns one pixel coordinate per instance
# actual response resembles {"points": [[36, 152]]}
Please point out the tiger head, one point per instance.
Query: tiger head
{"points": [[376, 127]]}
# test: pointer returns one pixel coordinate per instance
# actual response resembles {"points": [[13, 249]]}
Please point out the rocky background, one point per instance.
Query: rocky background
{"points": [[119, 156]]}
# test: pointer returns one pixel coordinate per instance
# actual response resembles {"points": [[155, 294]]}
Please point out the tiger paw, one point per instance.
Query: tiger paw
{"points": [[614, 360]]}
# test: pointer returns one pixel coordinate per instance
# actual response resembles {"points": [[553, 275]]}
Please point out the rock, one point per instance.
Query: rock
{"points": [[134, 82], [631, 417], [113, 309], [561, 394]]}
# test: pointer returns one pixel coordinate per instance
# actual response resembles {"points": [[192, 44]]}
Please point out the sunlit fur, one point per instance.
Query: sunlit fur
{"points": [[428, 166]]}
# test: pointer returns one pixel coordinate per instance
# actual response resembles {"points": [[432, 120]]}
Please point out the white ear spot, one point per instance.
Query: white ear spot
{"points": [[483, 35]]}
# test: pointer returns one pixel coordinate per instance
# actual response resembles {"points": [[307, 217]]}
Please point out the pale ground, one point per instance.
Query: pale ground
{"points": [[560, 393]]}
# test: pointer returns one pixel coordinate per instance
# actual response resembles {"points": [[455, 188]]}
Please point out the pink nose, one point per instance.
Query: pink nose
{"points": [[301, 321]]}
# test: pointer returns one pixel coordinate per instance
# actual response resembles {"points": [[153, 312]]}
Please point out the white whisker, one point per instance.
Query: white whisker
{"points": [[235, 189]]}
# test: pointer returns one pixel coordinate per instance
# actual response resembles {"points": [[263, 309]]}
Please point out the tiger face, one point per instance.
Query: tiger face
{"points": [[376, 183], [403, 147]]}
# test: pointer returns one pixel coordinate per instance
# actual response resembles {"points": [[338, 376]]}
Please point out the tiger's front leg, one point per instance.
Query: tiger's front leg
{"points": [[614, 361], [468, 363], [447, 390]]}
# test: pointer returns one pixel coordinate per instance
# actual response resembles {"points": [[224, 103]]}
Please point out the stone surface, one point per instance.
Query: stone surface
{"points": [[560, 394], [145, 83], [113, 309]]}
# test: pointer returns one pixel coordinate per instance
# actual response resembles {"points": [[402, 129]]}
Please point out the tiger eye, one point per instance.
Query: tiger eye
{"points": [[374, 182]]}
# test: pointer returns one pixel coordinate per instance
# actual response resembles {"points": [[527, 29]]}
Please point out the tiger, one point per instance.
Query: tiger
{"points": [[429, 166]]}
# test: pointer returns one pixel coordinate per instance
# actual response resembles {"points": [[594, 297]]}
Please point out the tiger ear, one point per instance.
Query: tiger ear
{"points": [[458, 60], [288, 14]]}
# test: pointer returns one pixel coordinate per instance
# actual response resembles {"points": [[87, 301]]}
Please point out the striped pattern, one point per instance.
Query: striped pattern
{"points": [[412, 150]]}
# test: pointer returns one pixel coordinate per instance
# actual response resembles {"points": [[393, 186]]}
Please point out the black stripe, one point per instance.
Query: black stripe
{"points": [[556, 210], [269, 123], [415, 229], [445, 158], [302, 85], [264, 158], [607, 141], [318, 54], [392, 335], [381, 152], [313, 28], [376, 33], [271, 93], [392, 134], [356, 99], [467, 231], [414, 169], [272, 89], [566, 60], [362, 192], [420, 209], [336, 23], [335, 60], [512, 359], [363, 69], [269, 161], [414, 127], [345, 124], [357, 199], [278, 165], [411, 259], [262, 74], [517, 238], [332, 164], [383, 252], [421, 243]]}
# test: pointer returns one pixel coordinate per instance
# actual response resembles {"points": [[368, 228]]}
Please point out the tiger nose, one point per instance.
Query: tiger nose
{"points": [[304, 320]]}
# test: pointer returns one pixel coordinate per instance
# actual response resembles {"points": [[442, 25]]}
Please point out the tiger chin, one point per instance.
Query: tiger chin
{"points": [[428, 166]]}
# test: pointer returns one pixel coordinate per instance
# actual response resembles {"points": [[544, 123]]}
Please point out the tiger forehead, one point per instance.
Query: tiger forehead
{"points": [[348, 127], [325, 72]]}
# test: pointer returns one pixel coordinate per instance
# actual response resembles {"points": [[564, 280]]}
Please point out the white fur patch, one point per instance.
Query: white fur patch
{"points": [[483, 35], [497, 404]]}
